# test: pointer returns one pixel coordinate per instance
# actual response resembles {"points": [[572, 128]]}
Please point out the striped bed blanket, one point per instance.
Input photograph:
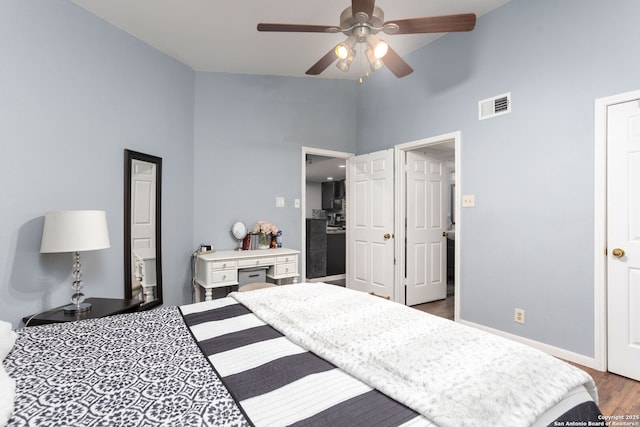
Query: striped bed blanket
{"points": [[316, 354], [278, 383]]}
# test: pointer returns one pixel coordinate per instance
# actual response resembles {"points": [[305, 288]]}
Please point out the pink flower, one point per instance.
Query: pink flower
{"points": [[265, 227]]}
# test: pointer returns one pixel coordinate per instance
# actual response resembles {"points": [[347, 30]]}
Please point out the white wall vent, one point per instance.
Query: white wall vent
{"points": [[495, 106]]}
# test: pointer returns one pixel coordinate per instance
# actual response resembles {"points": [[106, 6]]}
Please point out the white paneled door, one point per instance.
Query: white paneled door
{"points": [[143, 185], [426, 277], [623, 238], [371, 222]]}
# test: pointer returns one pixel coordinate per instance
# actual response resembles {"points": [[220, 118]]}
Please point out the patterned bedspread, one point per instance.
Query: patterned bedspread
{"points": [[139, 369]]}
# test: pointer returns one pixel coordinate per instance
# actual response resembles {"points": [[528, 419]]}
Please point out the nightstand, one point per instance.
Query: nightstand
{"points": [[100, 307]]}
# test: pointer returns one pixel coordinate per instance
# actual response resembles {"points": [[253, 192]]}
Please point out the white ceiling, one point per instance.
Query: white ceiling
{"points": [[321, 168], [221, 35]]}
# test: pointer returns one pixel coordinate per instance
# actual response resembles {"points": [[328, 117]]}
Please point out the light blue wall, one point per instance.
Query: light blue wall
{"points": [[528, 243], [249, 134], [74, 93]]}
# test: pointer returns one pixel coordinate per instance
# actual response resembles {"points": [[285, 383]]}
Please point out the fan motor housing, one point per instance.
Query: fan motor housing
{"points": [[358, 23]]}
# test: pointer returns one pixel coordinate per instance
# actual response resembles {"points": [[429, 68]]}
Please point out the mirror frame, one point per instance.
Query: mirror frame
{"points": [[233, 230], [129, 156]]}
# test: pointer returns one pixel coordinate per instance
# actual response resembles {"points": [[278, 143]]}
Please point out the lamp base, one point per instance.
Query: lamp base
{"points": [[77, 309]]}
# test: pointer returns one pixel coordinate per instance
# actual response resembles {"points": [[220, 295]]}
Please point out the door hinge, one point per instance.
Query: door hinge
{"points": [[605, 252]]}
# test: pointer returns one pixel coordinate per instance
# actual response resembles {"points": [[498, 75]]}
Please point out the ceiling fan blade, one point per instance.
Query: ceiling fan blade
{"points": [[365, 6], [396, 64], [436, 24], [322, 64], [298, 28]]}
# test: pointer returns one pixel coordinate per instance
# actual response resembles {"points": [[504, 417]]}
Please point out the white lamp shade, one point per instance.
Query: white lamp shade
{"points": [[74, 231]]}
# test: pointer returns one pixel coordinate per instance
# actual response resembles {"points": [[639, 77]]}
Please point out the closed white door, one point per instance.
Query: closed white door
{"points": [[623, 238], [426, 277], [370, 226]]}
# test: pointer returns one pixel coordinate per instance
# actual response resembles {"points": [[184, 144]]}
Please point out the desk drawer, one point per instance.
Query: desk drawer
{"points": [[287, 258], [288, 269], [256, 262], [224, 276], [223, 265]]}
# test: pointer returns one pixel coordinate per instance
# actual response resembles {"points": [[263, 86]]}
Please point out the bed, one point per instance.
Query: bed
{"points": [[304, 354]]}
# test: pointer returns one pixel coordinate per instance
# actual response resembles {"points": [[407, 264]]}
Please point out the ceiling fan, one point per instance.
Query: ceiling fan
{"points": [[360, 23]]}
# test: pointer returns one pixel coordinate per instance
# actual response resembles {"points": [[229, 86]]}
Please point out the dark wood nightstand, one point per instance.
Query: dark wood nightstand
{"points": [[100, 307]]}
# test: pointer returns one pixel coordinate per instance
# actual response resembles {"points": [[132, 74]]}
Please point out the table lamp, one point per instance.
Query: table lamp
{"points": [[75, 231]]}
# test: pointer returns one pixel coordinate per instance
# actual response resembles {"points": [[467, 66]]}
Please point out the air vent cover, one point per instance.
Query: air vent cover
{"points": [[495, 106]]}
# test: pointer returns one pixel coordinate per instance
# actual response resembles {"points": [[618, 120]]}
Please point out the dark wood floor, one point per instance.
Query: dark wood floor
{"points": [[617, 395], [442, 308]]}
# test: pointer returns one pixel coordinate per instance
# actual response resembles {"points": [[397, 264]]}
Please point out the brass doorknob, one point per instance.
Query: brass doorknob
{"points": [[387, 236], [617, 252]]}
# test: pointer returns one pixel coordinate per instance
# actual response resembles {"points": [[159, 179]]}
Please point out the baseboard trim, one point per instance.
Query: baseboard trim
{"points": [[558, 352], [328, 278]]}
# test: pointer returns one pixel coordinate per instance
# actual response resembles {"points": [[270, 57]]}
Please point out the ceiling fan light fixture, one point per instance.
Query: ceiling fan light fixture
{"points": [[379, 47], [374, 63], [345, 63], [343, 50]]}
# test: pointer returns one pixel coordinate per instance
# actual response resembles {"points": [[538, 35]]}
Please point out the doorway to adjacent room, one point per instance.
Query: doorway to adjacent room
{"points": [[323, 249]]}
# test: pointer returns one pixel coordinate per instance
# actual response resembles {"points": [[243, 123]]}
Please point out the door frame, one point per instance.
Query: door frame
{"points": [[400, 210], [600, 224], [303, 204]]}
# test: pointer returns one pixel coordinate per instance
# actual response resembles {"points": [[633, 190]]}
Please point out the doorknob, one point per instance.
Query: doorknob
{"points": [[617, 252], [387, 236]]}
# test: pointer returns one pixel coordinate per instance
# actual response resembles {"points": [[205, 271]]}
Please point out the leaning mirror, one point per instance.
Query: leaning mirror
{"points": [[142, 240]]}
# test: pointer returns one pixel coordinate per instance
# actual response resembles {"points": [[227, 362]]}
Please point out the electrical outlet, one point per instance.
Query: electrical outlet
{"points": [[279, 202], [468, 201], [518, 316]]}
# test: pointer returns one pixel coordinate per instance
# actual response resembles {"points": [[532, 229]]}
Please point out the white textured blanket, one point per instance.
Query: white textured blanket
{"points": [[452, 374]]}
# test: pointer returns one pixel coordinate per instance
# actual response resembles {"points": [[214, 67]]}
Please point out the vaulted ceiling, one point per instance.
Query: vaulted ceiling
{"points": [[221, 35]]}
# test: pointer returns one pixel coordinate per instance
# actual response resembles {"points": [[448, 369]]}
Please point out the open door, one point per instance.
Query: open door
{"points": [[371, 223], [623, 238], [426, 275]]}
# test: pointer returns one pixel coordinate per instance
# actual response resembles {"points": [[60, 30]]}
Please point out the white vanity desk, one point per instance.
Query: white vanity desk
{"points": [[220, 269]]}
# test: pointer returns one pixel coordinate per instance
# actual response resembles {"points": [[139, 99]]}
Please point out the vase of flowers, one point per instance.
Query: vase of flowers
{"points": [[265, 231]]}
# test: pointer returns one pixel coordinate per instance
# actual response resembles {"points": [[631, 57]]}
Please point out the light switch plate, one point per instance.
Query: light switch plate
{"points": [[279, 202], [296, 203], [468, 201]]}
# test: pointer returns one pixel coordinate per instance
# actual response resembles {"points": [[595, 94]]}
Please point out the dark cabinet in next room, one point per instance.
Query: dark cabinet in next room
{"points": [[336, 253], [332, 194], [316, 248]]}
